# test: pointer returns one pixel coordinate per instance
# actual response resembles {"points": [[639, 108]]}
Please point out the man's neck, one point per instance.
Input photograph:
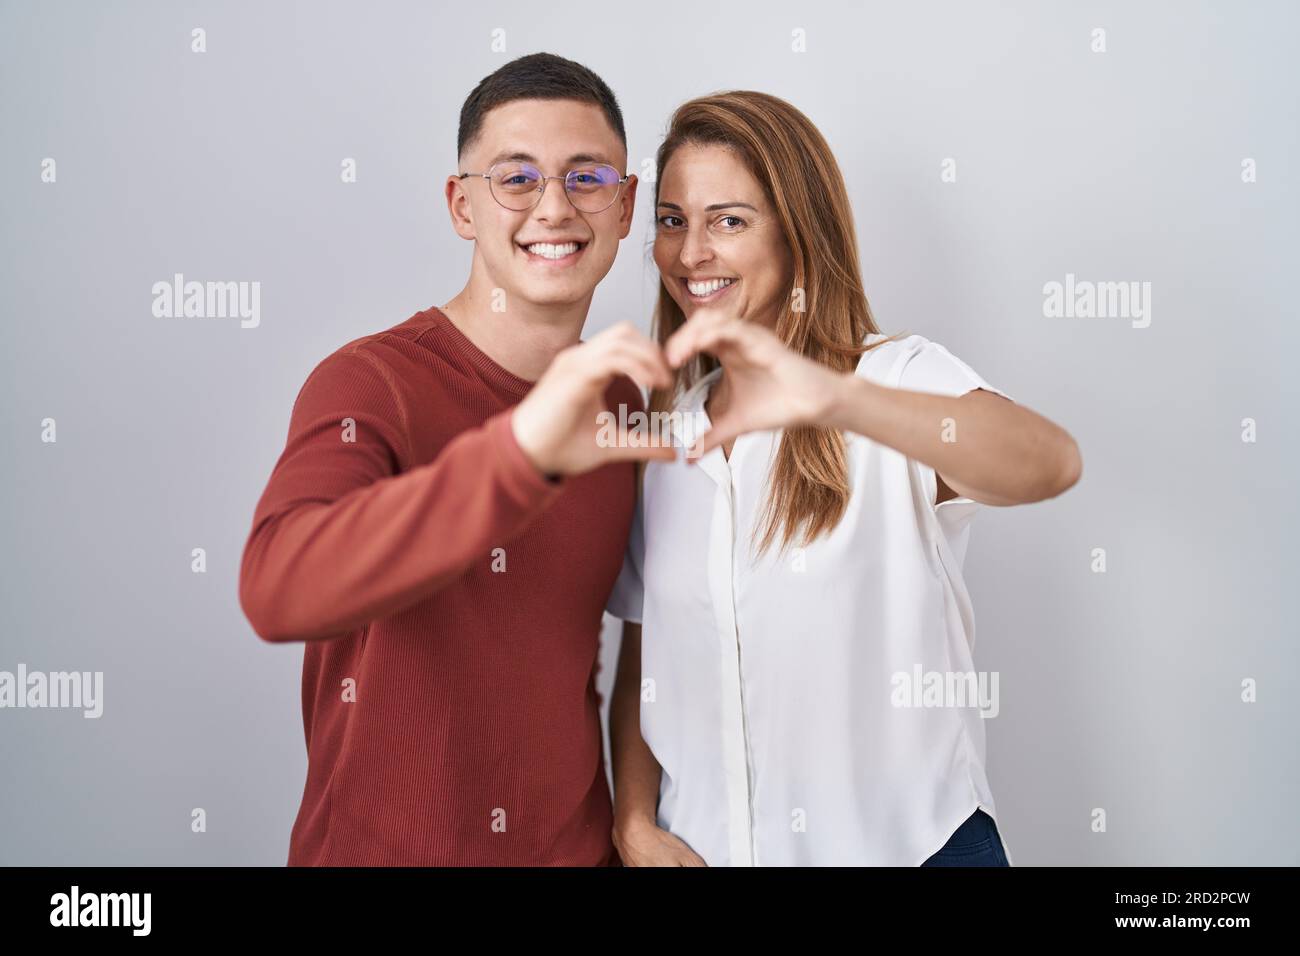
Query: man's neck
{"points": [[523, 339]]}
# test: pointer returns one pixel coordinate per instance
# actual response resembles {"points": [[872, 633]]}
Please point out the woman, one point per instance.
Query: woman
{"points": [[807, 633]]}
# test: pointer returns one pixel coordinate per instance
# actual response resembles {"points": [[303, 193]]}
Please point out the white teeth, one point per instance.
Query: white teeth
{"points": [[549, 250], [708, 287]]}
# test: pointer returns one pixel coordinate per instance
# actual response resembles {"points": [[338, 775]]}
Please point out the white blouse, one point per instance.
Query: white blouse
{"points": [[796, 701]]}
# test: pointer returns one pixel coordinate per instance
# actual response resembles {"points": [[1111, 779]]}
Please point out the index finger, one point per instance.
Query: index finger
{"points": [[699, 336]]}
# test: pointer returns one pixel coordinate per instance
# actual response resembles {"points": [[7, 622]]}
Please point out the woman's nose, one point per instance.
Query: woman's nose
{"points": [[695, 249]]}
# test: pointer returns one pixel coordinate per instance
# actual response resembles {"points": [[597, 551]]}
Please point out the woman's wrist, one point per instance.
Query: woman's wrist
{"points": [[631, 821], [846, 394]]}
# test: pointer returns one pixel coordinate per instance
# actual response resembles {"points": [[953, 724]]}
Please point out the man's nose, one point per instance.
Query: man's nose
{"points": [[554, 206]]}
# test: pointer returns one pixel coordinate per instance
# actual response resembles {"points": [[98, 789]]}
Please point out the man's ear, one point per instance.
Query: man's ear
{"points": [[628, 206], [458, 207]]}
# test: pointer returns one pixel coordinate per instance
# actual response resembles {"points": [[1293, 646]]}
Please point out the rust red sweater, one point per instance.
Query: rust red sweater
{"points": [[450, 598]]}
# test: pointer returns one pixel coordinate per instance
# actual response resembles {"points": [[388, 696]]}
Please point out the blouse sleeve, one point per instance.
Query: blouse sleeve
{"points": [[929, 367], [932, 368], [626, 599]]}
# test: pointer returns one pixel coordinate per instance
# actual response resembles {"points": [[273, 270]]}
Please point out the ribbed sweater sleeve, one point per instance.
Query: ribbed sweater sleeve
{"points": [[345, 533]]}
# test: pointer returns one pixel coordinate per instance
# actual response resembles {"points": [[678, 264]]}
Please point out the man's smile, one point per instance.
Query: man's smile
{"points": [[553, 254]]}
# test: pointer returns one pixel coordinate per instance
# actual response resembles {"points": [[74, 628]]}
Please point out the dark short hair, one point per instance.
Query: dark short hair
{"points": [[539, 76]]}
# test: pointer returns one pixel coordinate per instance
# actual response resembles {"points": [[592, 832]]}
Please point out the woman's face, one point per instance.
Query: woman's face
{"points": [[718, 241]]}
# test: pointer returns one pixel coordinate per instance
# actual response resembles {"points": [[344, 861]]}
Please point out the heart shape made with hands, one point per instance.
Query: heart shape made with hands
{"points": [[765, 386]]}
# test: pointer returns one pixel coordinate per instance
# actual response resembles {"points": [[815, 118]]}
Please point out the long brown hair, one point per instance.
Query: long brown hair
{"points": [[783, 150]]}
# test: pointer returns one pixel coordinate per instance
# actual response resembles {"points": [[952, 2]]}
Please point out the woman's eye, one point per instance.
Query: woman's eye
{"points": [[731, 222], [669, 222]]}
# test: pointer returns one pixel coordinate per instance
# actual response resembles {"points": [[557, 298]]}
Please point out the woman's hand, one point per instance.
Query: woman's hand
{"points": [[769, 386], [642, 843]]}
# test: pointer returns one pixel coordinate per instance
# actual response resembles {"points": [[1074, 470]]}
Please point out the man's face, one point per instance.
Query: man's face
{"points": [[528, 253]]}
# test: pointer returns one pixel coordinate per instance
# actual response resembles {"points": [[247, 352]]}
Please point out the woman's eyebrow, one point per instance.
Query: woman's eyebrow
{"points": [[713, 207]]}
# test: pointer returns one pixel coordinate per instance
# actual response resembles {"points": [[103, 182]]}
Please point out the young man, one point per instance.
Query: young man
{"points": [[445, 524]]}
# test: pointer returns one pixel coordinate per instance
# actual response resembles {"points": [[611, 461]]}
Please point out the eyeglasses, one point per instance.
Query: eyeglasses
{"points": [[519, 186]]}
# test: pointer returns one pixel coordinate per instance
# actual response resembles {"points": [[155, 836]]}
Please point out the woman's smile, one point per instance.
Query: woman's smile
{"points": [[708, 290]]}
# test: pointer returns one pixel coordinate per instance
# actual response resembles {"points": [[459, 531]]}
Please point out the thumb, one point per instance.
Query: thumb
{"points": [[726, 428], [640, 445], [642, 453]]}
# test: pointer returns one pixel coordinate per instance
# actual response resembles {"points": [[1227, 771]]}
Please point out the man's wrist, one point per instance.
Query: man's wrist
{"points": [[521, 439]]}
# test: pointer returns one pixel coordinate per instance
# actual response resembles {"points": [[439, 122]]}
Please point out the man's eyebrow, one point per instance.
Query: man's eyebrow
{"points": [[587, 158], [511, 157], [712, 207], [515, 156]]}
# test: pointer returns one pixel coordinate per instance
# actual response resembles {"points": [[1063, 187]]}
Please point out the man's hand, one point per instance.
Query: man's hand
{"points": [[557, 424], [771, 386]]}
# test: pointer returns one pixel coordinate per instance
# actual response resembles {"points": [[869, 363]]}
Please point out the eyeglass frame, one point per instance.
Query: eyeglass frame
{"points": [[541, 187]]}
